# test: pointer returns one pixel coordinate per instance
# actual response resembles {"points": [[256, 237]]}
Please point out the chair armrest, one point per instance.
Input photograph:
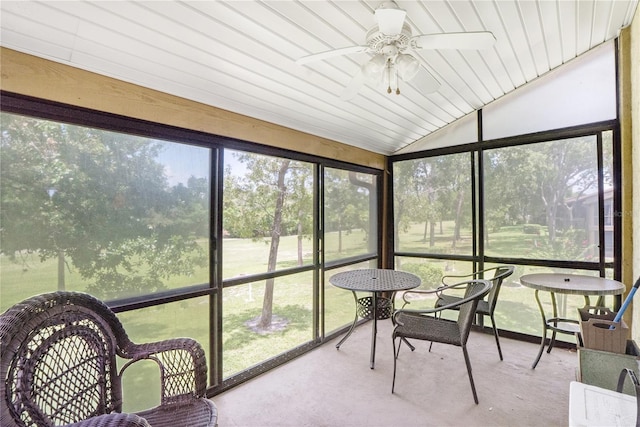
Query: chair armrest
{"points": [[414, 292], [182, 363], [469, 276], [422, 312], [438, 291], [457, 303], [112, 420], [446, 280]]}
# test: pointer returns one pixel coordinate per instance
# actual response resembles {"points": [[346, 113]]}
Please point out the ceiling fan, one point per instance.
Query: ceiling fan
{"points": [[389, 42]]}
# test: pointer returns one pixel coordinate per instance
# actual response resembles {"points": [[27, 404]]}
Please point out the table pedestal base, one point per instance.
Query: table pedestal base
{"points": [[568, 284], [372, 308], [379, 282], [556, 325]]}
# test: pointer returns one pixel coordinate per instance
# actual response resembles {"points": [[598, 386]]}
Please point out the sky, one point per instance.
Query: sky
{"points": [[182, 161]]}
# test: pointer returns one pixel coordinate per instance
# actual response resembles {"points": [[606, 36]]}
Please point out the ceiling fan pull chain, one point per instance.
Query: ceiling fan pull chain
{"points": [[395, 74], [389, 75]]}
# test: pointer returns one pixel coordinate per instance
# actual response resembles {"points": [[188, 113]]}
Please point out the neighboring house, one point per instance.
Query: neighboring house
{"points": [[585, 207]]}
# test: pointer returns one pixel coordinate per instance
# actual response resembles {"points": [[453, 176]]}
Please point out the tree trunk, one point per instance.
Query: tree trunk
{"points": [[551, 213], [396, 225], [458, 222], [300, 260], [372, 242], [61, 284], [432, 234], [424, 231], [276, 231]]}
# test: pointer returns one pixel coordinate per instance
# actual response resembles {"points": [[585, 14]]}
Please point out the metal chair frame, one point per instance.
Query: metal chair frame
{"points": [[486, 307], [425, 324]]}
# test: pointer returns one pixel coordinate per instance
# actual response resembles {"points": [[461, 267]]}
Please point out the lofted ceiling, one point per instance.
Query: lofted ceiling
{"points": [[240, 55]]}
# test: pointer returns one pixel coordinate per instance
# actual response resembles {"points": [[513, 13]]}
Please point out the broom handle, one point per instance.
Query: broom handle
{"points": [[627, 301]]}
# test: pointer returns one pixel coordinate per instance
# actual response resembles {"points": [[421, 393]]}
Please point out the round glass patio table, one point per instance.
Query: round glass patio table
{"points": [[570, 284], [376, 307]]}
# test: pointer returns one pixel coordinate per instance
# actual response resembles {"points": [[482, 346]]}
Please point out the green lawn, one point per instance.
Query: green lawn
{"points": [[243, 347], [293, 298]]}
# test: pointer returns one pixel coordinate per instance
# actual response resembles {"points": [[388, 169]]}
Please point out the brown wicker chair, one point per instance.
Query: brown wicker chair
{"points": [[112, 420], [58, 366], [427, 326]]}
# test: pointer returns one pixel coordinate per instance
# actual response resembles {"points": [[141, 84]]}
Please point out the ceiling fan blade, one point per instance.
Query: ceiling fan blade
{"points": [[473, 40], [352, 89], [330, 53], [425, 82]]}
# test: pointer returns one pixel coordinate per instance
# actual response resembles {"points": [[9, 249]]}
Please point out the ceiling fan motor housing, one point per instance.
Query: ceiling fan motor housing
{"points": [[377, 41]]}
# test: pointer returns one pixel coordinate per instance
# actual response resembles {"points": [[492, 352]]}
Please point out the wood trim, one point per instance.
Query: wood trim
{"points": [[41, 78], [629, 63]]}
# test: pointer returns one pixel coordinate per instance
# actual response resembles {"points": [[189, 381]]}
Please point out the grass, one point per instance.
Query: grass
{"points": [[293, 301], [243, 348]]}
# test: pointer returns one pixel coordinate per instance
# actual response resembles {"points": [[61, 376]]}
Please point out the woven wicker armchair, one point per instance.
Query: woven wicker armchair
{"points": [[426, 325], [58, 355]]}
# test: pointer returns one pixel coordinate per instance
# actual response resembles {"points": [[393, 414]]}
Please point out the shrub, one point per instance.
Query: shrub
{"points": [[531, 229], [429, 274]]}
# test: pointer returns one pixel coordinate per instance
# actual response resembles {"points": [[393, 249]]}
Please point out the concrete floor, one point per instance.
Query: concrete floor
{"points": [[329, 387]]}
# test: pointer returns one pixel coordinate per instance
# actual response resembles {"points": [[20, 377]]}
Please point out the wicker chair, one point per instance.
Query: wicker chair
{"points": [[58, 365], [427, 326], [487, 306]]}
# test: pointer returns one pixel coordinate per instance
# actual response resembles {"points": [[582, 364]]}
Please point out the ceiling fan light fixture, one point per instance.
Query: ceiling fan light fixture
{"points": [[390, 18], [372, 68], [408, 66]]}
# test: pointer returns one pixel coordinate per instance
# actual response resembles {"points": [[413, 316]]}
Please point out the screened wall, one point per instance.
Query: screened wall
{"points": [[143, 215], [183, 234], [538, 188]]}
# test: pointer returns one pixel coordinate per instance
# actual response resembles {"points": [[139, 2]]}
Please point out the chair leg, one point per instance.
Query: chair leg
{"points": [[495, 334], [395, 359], [437, 316], [408, 344], [551, 342], [466, 359], [397, 352]]}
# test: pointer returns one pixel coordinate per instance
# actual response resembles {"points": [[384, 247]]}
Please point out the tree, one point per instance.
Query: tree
{"points": [[365, 189], [509, 180], [428, 196], [541, 184], [303, 183], [431, 190], [269, 201], [347, 204], [402, 179], [453, 179], [566, 169], [98, 201]]}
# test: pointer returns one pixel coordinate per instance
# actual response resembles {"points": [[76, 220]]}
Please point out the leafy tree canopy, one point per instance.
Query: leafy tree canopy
{"points": [[100, 201]]}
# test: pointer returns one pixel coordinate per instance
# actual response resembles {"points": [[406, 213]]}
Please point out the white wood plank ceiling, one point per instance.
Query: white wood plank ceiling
{"points": [[240, 55]]}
